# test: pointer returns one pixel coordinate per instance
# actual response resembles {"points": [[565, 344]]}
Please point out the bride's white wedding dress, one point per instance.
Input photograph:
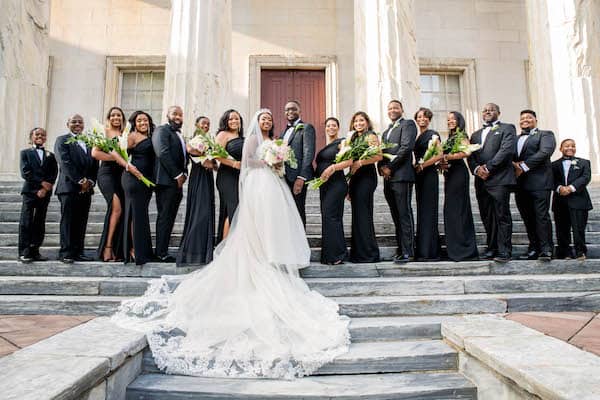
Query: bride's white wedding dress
{"points": [[248, 313]]}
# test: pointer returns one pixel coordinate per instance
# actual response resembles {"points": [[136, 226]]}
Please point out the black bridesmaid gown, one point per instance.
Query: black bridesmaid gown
{"points": [[137, 199], [458, 217], [427, 191], [198, 238], [227, 184], [332, 193], [363, 247], [109, 182]]}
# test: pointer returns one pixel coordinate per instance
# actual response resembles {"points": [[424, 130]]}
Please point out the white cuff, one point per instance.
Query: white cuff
{"points": [[572, 188], [301, 177], [177, 177], [524, 167], [475, 170]]}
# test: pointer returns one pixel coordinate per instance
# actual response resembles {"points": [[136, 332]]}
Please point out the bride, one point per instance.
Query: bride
{"points": [[248, 313]]}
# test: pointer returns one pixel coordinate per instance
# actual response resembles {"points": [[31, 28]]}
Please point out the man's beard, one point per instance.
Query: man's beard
{"points": [[175, 125]]}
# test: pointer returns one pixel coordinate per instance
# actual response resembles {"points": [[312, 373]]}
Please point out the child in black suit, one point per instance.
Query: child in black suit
{"points": [[571, 200], [39, 169]]}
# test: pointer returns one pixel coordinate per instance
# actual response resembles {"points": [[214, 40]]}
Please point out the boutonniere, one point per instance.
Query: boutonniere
{"points": [[47, 153], [298, 127], [573, 162], [396, 124], [495, 127]]}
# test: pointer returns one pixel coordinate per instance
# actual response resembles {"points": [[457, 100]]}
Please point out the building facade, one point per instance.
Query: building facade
{"points": [[60, 57]]}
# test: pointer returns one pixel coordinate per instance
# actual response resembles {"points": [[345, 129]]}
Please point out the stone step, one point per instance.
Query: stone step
{"points": [[331, 287], [386, 252], [314, 240], [378, 357], [405, 386], [315, 270], [311, 229], [374, 306]]}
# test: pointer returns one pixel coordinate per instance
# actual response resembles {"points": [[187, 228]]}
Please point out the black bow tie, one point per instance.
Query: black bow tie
{"points": [[486, 125], [39, 148], [567, 158], [525, 133]]}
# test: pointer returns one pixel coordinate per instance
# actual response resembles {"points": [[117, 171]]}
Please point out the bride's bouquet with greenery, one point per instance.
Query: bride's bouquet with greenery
{"points": [[96, 137], [206, 145], [276, 153]]}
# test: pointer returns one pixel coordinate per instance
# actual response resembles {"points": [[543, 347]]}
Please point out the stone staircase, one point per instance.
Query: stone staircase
{"points": [[397, 350]]}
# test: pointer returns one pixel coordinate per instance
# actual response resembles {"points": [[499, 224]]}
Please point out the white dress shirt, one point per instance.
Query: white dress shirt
{"points": [[290, 130], [566, 166], [40, 154]]}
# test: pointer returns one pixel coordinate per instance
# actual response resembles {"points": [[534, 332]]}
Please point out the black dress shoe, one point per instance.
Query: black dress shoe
{"points": [[82, 257], [502, 258], [545, 256], [530, 255], [166, 259], [66, 260], [25, 259], [39, 257], [403, 259], [488, 255]]}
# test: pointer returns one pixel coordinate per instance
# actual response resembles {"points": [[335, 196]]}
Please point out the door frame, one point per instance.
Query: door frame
{"points": [[327, 63]]}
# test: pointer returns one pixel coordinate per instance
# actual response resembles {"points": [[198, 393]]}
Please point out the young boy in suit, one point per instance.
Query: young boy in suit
{"points": [[571, 200], [39, 169]]}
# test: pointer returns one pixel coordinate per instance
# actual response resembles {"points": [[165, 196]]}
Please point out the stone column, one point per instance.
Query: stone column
{"points": [[564, 38], [24, 59], [385, 58], [198, 68]]}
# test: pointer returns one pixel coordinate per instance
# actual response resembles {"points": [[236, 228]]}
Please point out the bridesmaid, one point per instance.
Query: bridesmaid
{"points": [[109, 182], [361, 191], [427, 191], [333, 192], [230, 136], [197, 242], [458, 218], [137, 241]]}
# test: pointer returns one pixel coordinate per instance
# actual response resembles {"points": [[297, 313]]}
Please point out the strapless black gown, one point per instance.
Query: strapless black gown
{"points": [[109, 182], [332, 193], [427, 191], [137, 199], [198, 238], [227, 184]]}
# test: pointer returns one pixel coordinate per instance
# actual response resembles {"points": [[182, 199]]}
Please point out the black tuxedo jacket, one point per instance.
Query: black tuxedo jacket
{"points": [[580, 175], [497, 154], [302, 141], [536, 153], [75, 164], [36, 171], [402, 135], [170, 161]]}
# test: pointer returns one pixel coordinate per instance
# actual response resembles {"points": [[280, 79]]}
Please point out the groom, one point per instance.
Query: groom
{"points": [[171, 173], [300, 136]]}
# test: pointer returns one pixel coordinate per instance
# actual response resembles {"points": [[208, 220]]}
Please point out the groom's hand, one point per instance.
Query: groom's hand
{"points": [[298, 185]]}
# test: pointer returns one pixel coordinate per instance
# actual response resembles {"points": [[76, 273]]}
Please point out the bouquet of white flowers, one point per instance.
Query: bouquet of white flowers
{"points": [[275, 153], [206, 145], [434, 148]]}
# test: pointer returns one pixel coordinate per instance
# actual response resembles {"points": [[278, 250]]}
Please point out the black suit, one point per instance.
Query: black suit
{"points": [[302, 141], [493, 194], [571, 212], [171, 162], [534, 186], [398, 188], [32, 225], [75, 165]]}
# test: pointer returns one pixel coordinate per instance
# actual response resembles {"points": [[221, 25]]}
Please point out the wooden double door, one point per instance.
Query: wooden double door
{"points": [[278, 86]]}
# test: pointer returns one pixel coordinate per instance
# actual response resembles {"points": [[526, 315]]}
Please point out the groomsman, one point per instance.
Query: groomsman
{"points": [[300, 136], [494, 175], [76, 181], [171, 173], [533, 170], [571, 201], [399, 177], [39, 169]]}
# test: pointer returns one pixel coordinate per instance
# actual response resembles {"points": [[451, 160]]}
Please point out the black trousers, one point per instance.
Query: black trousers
{"points": [[494, 207], [398, 196], [534, 208], [567, 219], [168, 198], [75, 209], [300, 200], [32, 225]]}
